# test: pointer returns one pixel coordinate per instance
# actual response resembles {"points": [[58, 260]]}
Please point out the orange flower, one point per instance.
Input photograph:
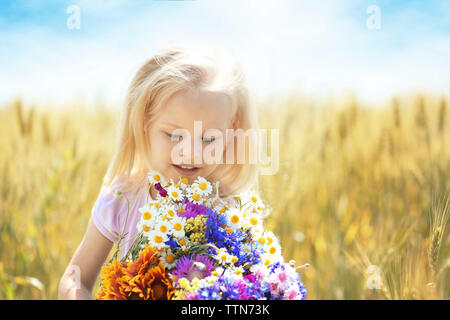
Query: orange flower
{"points": [[143, 279], [113, 285]]}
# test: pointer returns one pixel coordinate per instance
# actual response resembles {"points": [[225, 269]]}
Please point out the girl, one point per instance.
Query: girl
{"points": [[173, 90]]}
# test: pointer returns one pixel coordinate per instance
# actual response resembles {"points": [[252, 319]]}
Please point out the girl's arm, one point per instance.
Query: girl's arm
{"points": [[81, 274]]}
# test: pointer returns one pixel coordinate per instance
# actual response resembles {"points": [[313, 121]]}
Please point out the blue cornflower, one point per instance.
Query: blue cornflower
{"points": [[172, 243]]}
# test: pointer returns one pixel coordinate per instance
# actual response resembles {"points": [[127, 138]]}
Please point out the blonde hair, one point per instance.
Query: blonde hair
{"points": [[170, 70]]}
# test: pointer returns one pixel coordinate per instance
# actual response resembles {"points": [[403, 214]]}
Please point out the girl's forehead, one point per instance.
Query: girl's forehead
{"points": [[185, 107]]}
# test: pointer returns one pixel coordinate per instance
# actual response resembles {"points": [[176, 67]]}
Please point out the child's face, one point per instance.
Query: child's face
{"points": [[180, 112]]}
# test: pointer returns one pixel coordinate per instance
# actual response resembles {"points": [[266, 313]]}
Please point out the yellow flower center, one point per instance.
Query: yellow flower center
{"points": [[177, 226], [147, 215], [234, 259], [158, 239], [262, 240], [202, 185], [146, 228], [223, 257], [174, 194], [196, 196], [234, 219], [170, 259], [156, 177], [229, 231], [254, 199], [182, 242], [266, 262], [163, 228], [185, 180], [222, 210], [171, 213], [253, 221], [157, 204], [272, 250]]}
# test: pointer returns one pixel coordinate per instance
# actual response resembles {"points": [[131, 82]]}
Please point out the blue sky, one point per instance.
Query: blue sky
{"points": [[310, 47]]}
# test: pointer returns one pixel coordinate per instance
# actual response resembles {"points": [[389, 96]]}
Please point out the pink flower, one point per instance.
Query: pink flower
{"points": [[292, 293], [282, 276], [273, 286]]}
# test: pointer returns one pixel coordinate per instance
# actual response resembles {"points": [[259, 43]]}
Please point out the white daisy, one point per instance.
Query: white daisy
{"points": [[182, 241], [168, 212], [155, 177], [168, 259], [203, 186], [270, 237], [267, 259], [194, 195], [145, 228], [174, 193], [254, 202], [273, 250], [254, 221], [223, 256], [154, 205], [157, 239], [148, 214], [217, 272], [164, 227], [177, 226], [239, 271], [235, 218]]}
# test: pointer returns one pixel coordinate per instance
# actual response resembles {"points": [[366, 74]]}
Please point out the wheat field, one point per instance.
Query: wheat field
{"points": [[362, 195]]}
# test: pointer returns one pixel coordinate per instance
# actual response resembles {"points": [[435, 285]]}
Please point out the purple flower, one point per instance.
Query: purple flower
{"points": [[191, 210], [163, 193], [192, 296], [200, 267], [158, 186]]}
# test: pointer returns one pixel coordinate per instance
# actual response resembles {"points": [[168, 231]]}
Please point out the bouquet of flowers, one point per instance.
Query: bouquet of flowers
{"points": [[193, 245]]}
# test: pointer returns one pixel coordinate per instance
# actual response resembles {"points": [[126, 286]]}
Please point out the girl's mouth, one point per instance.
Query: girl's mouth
{"points": [[186, 170]]}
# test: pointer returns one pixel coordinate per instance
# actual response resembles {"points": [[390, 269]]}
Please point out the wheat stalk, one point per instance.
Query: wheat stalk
{"points": [[439, 216]]}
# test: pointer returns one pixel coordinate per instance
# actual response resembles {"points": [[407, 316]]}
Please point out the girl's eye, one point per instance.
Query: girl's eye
{"points": [[176, 137], [209, 139], [173, 136]]}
